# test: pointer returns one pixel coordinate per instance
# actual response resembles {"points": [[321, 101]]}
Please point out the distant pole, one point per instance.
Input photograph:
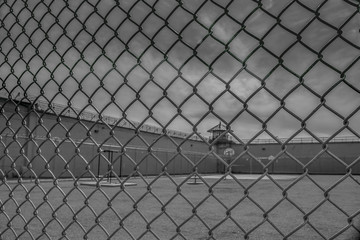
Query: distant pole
{"points": [[99, 166], [121, 160], [110, 157]]}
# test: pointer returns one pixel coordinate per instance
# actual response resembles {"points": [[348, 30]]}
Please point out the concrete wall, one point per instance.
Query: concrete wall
{"points": [[65, 147], [305, 156], [82, 143], [13, 123]]}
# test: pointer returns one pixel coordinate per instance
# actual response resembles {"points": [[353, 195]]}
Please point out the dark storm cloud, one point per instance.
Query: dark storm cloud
{"points": [[98, 59]]}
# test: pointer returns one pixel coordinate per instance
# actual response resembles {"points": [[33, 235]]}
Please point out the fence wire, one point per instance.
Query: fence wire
{"points": [[86, 83]]}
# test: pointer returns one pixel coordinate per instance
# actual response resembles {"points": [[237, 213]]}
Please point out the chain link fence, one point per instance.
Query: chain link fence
{"points": [[105, 107]]}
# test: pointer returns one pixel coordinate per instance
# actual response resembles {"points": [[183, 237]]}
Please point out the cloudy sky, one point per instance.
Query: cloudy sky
{"points": [[103, 51]]}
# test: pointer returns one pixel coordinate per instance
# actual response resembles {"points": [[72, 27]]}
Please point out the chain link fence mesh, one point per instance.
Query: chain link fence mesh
{"points": [[72, 70]]}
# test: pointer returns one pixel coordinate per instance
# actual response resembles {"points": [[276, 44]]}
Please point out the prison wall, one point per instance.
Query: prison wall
{"points": [[14, 122], [53, 146], [72, 145], [35, 143], [317, 158]]}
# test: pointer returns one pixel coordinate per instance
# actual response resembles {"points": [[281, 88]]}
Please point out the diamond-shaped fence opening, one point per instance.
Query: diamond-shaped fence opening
{"points": [[179, 119]]}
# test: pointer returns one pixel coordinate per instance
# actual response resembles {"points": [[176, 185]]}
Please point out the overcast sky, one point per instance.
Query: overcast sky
{"points": [[103, 60]]}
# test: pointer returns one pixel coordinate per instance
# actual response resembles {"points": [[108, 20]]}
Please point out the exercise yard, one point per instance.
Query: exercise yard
{"points": [[237, 207]]}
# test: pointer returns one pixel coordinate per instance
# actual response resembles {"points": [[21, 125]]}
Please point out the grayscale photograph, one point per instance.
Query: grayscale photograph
{"points": [[180, 119]]}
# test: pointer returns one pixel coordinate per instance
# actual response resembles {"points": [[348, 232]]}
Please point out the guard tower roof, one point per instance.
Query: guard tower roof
{"points": [[219, 127]]}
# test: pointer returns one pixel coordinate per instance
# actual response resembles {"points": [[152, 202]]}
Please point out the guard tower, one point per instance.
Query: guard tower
{"points": [[222, 143]]}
